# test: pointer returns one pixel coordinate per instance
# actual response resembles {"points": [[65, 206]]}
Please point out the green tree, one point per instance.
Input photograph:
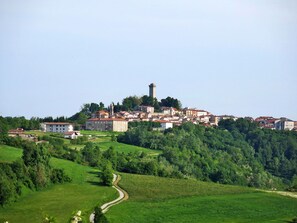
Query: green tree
{"points": [[129, 103], [99, 216], [106, 175]]}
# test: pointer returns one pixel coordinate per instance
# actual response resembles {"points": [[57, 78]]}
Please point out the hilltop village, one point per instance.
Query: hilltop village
{"points": [[167, 117]]}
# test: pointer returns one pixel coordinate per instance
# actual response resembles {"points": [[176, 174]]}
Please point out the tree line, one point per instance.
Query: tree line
{"points": [[33, 170], [236, 152]]}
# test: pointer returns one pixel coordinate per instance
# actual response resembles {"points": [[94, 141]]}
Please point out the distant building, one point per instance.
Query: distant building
{"points": [[165, 124], [16, 132], [60, 127], [284, 124], [190, 112], [146, 109], [107, 124], [168, 110], [152, 90], [100, 114], [267, 122], [72, 135]]}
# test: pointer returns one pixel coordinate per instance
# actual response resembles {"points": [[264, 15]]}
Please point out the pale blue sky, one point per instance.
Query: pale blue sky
{"points": [[225, 56]]}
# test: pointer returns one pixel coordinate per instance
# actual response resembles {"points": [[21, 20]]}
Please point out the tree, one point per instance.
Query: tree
{"points": [[99, 216], [129, 103], [106, 175], [171, 102]]}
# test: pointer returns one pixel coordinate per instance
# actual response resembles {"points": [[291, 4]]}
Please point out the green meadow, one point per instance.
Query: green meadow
{"points": [[103, 140], [155, 199], [125, 148], [59, 201]]}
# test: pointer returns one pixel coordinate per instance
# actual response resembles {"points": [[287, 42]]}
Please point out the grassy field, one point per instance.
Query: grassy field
{"points": [[9, 154], [98, 133], [154, 199], [103, 140], [60, 201], [125, 148]]}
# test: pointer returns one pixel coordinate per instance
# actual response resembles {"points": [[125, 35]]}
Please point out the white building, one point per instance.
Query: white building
{"points": [[284, 124], [72, 135], [60, 127], [165, 124]]}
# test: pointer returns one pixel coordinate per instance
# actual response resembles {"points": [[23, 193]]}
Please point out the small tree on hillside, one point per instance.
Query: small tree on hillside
{"points": [[99, 216], [106, 175]]}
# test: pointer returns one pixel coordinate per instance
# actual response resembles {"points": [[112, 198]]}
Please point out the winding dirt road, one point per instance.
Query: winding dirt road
{"points": [[123, 195]]}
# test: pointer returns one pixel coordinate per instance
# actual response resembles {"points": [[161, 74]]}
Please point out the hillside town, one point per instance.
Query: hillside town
{"points": [[108, 120]]}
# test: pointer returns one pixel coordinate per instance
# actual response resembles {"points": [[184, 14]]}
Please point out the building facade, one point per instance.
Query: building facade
{"points": [[60, 127], [107, 124], [284, 124]]}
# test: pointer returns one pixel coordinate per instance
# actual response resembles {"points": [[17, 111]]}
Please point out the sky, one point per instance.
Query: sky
{"points": [[225, 56]]}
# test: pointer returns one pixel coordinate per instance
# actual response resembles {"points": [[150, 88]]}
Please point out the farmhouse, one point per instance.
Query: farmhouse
{"points": [[107, 124], [60, 127], [72, 135]]}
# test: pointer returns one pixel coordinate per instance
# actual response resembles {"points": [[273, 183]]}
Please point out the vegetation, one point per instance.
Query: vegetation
{"points": [[179, 200], [32, 171], [130, 103], [235, 153], [18, 122], [99, 216], [60, 200]]}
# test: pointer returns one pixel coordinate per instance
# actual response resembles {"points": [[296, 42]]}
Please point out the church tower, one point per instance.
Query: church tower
{"points": [[111, 110], [152, 92]]}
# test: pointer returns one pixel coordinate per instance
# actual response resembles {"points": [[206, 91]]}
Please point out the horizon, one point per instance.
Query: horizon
{"points": [[226, 57]]}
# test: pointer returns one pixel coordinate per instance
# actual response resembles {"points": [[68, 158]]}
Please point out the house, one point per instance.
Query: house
{"points": [[284, 124], [189, 112], [168, 110], [72, 135], [107, 124], [16, 132], [147, 109], [60, 127], [165, 124], [267, 122], [100, 114]]}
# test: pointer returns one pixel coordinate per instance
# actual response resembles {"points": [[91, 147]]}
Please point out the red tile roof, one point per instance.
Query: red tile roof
{"points": [[106, 119], [57, 123]]}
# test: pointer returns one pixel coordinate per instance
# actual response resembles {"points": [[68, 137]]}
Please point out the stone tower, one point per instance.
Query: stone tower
{"points": [[111, 110], [152, 92]]}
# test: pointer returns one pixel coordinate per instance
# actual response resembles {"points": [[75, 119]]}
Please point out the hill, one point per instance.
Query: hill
{"points": [[156, 199], [59, 201]]}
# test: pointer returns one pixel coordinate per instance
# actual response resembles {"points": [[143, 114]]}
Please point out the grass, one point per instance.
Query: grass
{"points": [[173, 200], [126, 148], [9, 154], [60, 201], [98, 133]]}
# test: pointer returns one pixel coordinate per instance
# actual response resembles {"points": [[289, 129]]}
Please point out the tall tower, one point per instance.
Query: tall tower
{"points": [[152, 90], [111, 110]]}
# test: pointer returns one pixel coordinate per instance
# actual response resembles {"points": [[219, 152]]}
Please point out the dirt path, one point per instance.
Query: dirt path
{"points": [[283, 193], [123, 195]]}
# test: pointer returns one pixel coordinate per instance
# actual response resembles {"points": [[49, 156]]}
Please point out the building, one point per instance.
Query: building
{"points": [[16, 132], [100, 114], [284, 124], [146, 109], [107, 124], [152, 90], [60, 127], [165, 124], [72, 135], [267, 122], [190, 112], [168, 110]]}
